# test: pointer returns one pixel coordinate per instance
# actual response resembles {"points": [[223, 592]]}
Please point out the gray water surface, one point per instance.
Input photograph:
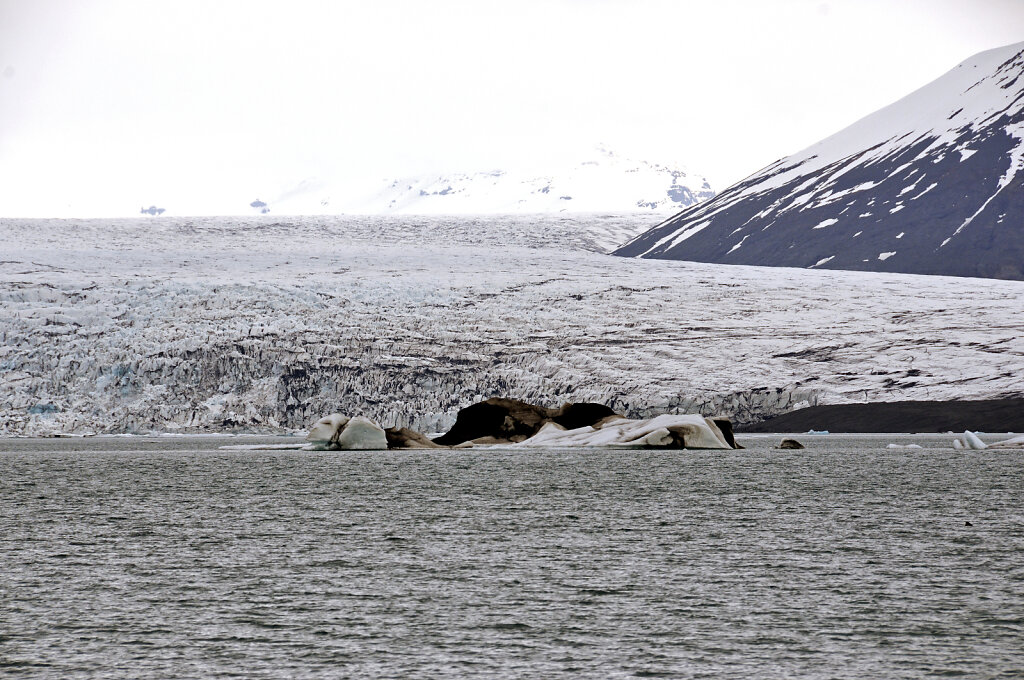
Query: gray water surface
{"points": [[155, 558]]}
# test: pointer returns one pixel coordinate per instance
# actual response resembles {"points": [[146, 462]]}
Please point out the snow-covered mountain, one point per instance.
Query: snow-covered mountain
{"points": [[932, 184], [262, 323], [604, 182]]}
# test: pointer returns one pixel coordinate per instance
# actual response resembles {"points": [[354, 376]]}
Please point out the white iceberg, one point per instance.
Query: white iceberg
{"points": [[326, 428], [338, 432], [677, 431], [1012, 443], [969, 441], [361, 434]]}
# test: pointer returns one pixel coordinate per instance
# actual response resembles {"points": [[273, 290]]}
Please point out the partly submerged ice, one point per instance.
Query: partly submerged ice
{"points": [[696, 431], [970, 440]]}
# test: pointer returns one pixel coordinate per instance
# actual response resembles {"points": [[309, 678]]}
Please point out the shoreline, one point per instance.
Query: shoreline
{"points": [[995, 416], [986, 416], [284, 439]]}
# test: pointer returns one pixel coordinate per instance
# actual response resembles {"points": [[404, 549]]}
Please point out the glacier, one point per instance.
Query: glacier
{"points": [[265, 324], [695, 431]]}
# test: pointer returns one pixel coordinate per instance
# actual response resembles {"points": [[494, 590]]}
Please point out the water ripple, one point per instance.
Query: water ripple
{"points": [[841, 561]]}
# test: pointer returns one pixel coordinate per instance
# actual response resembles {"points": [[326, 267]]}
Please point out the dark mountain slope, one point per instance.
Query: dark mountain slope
{"points": [[932, 184]]}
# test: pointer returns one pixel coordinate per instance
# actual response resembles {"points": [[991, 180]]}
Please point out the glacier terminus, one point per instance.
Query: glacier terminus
{"points": [[267, 324]]}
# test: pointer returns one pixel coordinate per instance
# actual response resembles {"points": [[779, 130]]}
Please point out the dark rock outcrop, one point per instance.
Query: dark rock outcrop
{"points": [[790, 444]]}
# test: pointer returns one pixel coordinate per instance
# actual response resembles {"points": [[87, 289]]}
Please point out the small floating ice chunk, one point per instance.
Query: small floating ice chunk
{"points": [[903, 446], [824, 260], [1012, 443], [695, 432], [885, 256], [826, 223], [900, 235], [969, 440], [972, 440], [896, 209]]}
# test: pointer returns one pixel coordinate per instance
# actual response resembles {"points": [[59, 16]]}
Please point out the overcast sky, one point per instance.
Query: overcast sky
{"points": [[104, 103]]}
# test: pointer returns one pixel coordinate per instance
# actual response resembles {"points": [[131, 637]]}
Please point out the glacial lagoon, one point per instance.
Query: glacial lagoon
{"points": [[153, 557]]}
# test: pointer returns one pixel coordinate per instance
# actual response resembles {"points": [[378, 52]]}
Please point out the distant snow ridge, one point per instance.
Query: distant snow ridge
{"points": [[607, 182], [260, 323], [932, 184]]}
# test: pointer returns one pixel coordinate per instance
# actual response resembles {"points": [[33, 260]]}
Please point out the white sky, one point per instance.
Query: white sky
{"points": [[105, 105]]}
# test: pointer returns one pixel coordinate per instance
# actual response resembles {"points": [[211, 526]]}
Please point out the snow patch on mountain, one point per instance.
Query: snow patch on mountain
{"points": [[983, 88]]}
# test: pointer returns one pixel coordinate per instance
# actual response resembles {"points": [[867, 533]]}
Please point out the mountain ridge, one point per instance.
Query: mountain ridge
{"points": [[602, 182], [854, 200]]}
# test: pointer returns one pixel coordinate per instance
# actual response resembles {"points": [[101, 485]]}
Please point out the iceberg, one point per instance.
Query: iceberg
{"points": [[664, 431], [505, 422], [361, 434], [1011, 443], [341, 433], [509, 422], [324, 429], [969, 441]]}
